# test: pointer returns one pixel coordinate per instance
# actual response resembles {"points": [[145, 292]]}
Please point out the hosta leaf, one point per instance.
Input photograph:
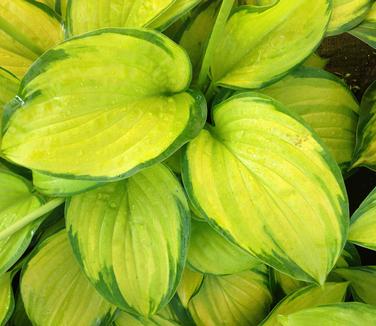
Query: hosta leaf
{"points": [[211, 253], [59, 187], [174, 161], [349, 257], [16, 201], [365, 150], [197, 31], [239, 299], [260, 45], [342, 314], [173, 13], [135, 248], [119, 104], [19, 316], [85, 15], [263, 178], [326, 104], [60, 6], [27, 29], [347, 14], [126, 319], [366, 31], [189, 285], [362, 282], [8, 89], [315, 61], [363, 223], [6, 298], [56, 292], [307, 297]]}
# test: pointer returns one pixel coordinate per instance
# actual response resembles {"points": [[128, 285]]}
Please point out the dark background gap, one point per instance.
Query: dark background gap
{"points": [[355, 62]]}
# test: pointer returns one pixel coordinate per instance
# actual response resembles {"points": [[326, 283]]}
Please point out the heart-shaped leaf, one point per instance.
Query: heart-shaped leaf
{"points": [[56, 292], [261, 44], [326, 104], [347, 14], [28, 29], [363, 223], [131, 238], [366, 31], [211, 253], [16, 200], [118, 104], [341, 314], [307, 297], [263, 178], [239, 299]]}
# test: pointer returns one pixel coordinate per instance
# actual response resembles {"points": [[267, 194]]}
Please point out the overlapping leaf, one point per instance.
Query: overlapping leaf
{"points": [[307, 297], [365, 150], [118, 104], [260, 45], [16, 201], [343, 314], [60, 187], [6, 298], [85, 15], [189, 286], [27, 29], [8, 89], [56, 292], [347, 14], [326, 104], [362, 282], [366, 31], [263, 178], [131, 238], [363, 223], [238, 299], [125, 319], [211, 253]]}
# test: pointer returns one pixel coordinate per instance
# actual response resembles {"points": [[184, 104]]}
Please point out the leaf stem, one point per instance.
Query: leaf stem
{"points": [[31, 217], [217, 32]]}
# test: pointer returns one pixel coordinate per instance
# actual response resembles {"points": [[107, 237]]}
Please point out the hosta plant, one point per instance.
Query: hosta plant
{"points": [[182, 162]]}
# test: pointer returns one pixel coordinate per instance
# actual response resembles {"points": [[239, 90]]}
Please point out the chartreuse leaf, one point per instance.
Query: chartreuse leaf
{"points": [[264, 178], [189, 285], [349, 257], [126, 319], [365, 150], [56, 292], [261, 44], [118, 13], [347, 14], [27, 29], [315, 61], [131, 238], [211, 253], [326, 104], [8, 89], [197, 31], [341, 314], [307, 297], [363, 223], [173, 13], [60, 187], [362, 282], [238, 299], [118, 104], [19, 316], [59, 6], [366, 31], [16, 200], [6, 298]]}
